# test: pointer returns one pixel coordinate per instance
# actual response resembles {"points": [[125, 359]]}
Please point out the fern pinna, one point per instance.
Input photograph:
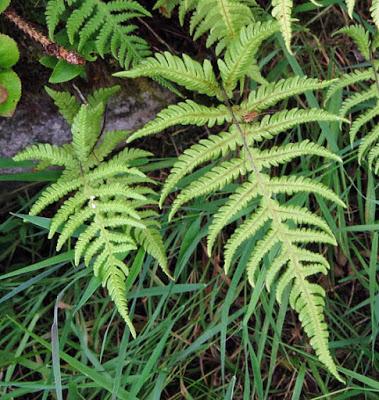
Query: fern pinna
{"points": [[222, 20], [234, 154], [102, 199], [363, 104], [101, 26]]}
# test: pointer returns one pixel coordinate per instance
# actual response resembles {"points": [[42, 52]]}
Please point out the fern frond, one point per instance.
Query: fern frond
{"points": [[86, 127], [184, 113], [362, 120], [266, 96], [213, 180], [151, 240], [245, 231], [181, 70], [301, 215], [207, 149], [295, 184], [285, 153], [67, 104], [105, 24], [367, 142], [236, 202], [374, 10], [220, 19], [373, 157], [53, 193], [102, 95], [279, 230], [105, 200], [272, 125], [54, 11], [360, 37], [281, 10], [350, 7], [241, 53], [107, 145], [349, 79], [358, 98], [46, 152], [115, 284]]}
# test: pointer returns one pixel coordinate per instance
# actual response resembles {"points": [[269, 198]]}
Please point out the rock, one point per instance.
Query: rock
{"points": [[37, 120]]}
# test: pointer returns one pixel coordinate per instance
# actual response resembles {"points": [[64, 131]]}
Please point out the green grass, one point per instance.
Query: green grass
{"points": [[204, 336]]}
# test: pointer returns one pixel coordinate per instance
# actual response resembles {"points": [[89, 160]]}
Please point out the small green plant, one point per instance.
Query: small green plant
{"points": [[10, 84], [279, 228], [363, 104], [105, 201], [100, 27]]}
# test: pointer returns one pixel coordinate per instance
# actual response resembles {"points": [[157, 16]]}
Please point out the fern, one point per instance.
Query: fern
{"points": [[102, 24], [222, 20], [102, 201], [374, 10], [363, 100], [234, 155]]}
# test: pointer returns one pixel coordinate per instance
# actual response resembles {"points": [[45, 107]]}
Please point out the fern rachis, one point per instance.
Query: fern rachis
{"points": [[243, 159]]}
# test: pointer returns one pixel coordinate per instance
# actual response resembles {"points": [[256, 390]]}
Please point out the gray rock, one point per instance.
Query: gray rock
{"points": [[37, 120]]}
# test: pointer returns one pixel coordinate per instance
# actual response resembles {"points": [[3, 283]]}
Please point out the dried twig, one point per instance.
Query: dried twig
{"points": [[49, 47]]}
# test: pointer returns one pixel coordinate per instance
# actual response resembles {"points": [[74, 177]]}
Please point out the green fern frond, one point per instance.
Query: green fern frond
{"points": [[363, 119], [207, 149], [105, 200], [46, 152], [53, 193], [151, 240], [350, 7], [285, 153], [349, 79], [102, 95], [360, 37], [54, 12], [369, 140], [67, 104], [86, 127], [181, 70], [236, 202], [272, 125], [266, 96], [105, 24], [213, 180], [280, 230], [245, 231], [373, 157], [107, 145], [241, 53], [220, 19], [115, 284], [358, 98], [374, 10], [282, 10], [184, 113], [366, 99], [295, 184]]}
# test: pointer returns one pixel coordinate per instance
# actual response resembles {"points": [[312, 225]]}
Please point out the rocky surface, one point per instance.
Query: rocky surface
{"points": [[37, 120]]}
